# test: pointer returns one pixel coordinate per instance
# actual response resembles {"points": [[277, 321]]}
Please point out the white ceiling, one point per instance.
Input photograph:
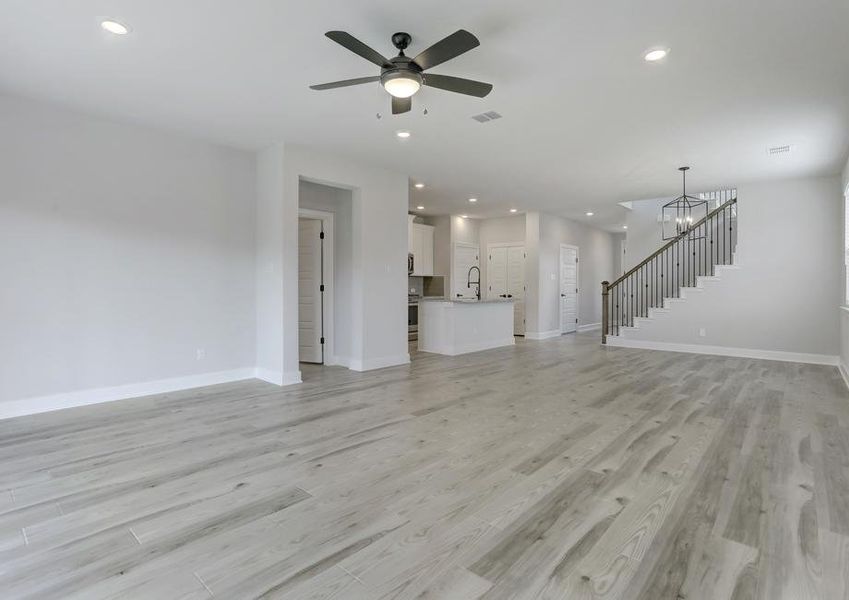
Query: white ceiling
{"points": [[587, 123]]}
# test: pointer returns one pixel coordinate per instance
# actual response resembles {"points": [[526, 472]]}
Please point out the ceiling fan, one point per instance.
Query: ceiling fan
{"points": [[402, 76]]}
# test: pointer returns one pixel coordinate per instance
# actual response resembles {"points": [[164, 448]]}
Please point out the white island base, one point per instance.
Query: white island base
{"points": [[458, 327]]}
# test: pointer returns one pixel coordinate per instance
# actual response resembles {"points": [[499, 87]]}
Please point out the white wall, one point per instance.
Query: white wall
{"points": [[378, 258], [644, 233], [339, 202], [784, 297], [597, 252], [844, 311], [123, 251]]}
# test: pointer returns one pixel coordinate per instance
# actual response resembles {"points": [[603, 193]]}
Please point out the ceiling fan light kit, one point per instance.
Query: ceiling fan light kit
{"points": [[403, 76]]}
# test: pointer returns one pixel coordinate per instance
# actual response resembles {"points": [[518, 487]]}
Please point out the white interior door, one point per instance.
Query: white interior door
{"points": [[568, 289], [516, 286], [465, 257], [310, 348], [496, 273]]}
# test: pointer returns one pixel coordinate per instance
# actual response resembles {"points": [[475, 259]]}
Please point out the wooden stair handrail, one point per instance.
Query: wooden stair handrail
{"points": [[673, 241]]}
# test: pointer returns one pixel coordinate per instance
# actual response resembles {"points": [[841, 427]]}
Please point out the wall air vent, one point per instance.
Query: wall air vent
{"points": [[489, 115], [779, 150]]}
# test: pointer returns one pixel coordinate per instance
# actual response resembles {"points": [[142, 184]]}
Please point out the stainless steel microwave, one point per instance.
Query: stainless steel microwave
{"points": [[410, 263]]}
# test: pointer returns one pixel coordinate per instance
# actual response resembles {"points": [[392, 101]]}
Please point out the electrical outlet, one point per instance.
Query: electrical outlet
{"points": [[702, 332], [553, 276], [200, 354]]}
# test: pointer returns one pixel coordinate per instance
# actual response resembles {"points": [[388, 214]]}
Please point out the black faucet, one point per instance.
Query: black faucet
{"points": [[469, 281]]}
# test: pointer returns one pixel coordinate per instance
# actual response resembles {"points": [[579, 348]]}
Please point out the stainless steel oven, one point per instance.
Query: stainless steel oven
{"points": [[413, 318]]}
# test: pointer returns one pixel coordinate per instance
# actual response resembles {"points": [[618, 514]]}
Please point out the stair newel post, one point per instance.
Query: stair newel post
{"points": [[605, 293]]}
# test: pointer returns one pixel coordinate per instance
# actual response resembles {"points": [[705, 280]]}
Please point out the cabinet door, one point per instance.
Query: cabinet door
{"points": [[418, 250], [427, 251]]}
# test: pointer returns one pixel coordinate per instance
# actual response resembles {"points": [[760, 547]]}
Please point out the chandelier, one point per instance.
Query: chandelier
{"points": [[679, 216]]}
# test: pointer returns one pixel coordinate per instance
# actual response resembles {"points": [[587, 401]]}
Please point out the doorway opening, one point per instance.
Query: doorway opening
{"points": [[325, 255], [315, 274]]}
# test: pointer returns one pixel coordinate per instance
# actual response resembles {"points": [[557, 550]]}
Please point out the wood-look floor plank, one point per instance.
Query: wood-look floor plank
{"points": [[554, 469]]}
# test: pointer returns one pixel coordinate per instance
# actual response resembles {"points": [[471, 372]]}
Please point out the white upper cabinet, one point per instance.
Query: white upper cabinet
{"points": [[421, 247]]}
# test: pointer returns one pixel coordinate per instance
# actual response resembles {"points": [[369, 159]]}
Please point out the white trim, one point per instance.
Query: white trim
{"points": [[577, 283], [542, 335], [471, 347], [797, 357], [589, 327], [291, 378], [275, 377], [327, 315], [40, 404], [843, 372], [370, 364]]}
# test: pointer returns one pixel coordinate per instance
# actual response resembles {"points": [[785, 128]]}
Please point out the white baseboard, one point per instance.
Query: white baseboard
{"points": [[291, 378], [844, 372], [797, 357], [370, 364], [469, 348], [589, 327], [542, 335], [40, 404], [269, 375]]}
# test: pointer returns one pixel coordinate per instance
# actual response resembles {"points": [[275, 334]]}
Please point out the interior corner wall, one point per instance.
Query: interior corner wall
{"points": [[379, 255], [532, 273], [844, 308], [269, 265], [127, 260]]}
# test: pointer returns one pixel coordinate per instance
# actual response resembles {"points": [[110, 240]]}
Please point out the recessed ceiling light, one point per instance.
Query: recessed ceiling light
{"points": [[403, 134], [624, 227], [464, 216], [589, 214], [419, 186], [513, 209], [420, 207], [115, 27], [656, 54], [473, 199]]}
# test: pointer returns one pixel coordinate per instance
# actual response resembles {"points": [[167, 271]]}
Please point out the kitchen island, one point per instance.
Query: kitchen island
{"points": [[455, 327]]}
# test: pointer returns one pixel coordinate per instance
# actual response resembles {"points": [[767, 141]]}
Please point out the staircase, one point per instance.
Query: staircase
{"points": [[685, 266]]}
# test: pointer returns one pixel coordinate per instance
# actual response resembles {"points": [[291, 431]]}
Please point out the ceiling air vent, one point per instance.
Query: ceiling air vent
{"points": [[779, 150], [489, 115]]}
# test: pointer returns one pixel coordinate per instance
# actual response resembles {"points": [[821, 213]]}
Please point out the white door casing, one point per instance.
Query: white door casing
{"points": [[568, 288], [465, 257], [516, 286], [310, 309]]}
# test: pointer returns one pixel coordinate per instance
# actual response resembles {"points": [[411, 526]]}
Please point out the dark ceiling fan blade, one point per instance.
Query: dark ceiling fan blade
{"points": [[357, 47], [344, 83], [401, 105], [447, 48], [458, 84]]}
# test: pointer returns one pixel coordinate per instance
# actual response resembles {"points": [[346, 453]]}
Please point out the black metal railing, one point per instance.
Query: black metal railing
{"points": [[709, 242]]}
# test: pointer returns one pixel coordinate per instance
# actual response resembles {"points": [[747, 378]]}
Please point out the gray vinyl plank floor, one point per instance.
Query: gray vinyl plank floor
{"points": [[554, 469]]}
